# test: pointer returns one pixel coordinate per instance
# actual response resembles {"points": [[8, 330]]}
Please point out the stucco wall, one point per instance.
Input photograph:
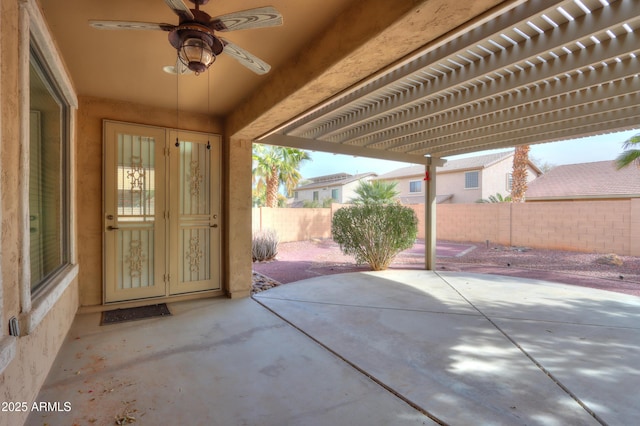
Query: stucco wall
{"points": [[453, 183], [91, 112], [24, 361], [494, 178]]}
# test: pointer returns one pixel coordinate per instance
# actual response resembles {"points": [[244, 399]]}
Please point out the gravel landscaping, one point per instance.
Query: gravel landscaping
{"points": [[305, 259]]}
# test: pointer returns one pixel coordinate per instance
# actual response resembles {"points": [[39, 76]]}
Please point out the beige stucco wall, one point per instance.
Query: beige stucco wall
{"points": [[25, 360], [91, 113], [35, 353], [238, 211]]}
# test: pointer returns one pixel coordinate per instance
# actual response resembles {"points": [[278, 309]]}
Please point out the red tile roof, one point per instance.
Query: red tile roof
{"points": [[586, 180]]}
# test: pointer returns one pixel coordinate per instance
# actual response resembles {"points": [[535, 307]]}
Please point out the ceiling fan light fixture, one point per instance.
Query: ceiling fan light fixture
{"points": [[196, 54]]}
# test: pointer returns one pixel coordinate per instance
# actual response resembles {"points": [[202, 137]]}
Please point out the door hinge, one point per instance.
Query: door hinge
{"points": [[167, 278], [167, 152]]}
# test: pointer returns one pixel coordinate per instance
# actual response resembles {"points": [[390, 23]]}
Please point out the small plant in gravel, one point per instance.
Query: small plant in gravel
{"points": [[374, 233], [264, 246]]}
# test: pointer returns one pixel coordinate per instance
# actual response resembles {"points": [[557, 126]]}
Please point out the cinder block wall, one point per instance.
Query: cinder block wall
{"points": [[587, 226], [294, 224]]}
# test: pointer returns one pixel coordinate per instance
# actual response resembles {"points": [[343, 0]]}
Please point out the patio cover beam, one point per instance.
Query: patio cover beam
{"points": [[335, 148]]}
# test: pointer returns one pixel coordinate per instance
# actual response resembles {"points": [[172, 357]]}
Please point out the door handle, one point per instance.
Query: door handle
{"points": [[215, 225], [112, 228]]}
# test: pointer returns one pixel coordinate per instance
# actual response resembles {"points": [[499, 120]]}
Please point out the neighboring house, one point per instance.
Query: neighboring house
{"points": [[464, 180], [340, 187], [586, 181]]}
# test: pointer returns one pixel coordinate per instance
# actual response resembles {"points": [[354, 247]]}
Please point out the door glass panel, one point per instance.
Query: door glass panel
{"points": [[195, 208], [136, 212], [194, 179], [136, 178]]}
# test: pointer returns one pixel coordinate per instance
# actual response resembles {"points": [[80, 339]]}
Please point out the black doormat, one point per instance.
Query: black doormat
{"points": [[133, 314]]}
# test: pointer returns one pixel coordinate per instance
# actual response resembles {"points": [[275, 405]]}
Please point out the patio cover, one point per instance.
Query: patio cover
{"points": [[531, 72]]}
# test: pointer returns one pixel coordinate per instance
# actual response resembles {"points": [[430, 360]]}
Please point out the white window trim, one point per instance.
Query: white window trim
{"points": [[34, 28], [415, 192], [465, 180]]}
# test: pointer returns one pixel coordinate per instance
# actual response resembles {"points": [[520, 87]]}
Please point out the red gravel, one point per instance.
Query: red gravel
{"points": [[307, 259]]}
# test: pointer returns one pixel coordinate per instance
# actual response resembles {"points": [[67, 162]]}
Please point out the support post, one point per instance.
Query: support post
{"points": [[430, 212]]}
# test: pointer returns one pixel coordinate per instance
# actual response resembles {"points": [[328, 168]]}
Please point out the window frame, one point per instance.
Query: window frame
{"points": [[34, 34], [477, 179], [419, 191]]}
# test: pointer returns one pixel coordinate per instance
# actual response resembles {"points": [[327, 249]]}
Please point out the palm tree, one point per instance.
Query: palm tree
{"points": [[498, 198], [631, 155], [519, 174], [375, 192], [276, 165]]}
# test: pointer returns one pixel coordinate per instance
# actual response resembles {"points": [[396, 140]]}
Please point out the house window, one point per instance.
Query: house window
{"points": [[49, 229], [415, 186], [316, 196], [334, 194], [471, 180], [295, 195], [48, 175], [509, 181]]}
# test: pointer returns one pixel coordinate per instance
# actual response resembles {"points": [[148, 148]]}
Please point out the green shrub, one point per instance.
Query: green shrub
{"points": [[265, 246], [374, 233]]}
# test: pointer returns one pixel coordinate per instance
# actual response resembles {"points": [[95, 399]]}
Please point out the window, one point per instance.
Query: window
{"points": [[415, 186], [334, 194], [295, 195], [316, 196], [471, 180], [509, 181], [49, 230]]}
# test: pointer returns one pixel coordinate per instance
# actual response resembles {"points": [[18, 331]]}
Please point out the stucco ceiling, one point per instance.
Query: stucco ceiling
{"points": [[127, 64]]}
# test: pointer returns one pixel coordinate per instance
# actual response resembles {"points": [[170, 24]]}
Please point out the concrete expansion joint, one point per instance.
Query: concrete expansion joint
{"points": [[351, 305], [525, 353], [374, 379]]}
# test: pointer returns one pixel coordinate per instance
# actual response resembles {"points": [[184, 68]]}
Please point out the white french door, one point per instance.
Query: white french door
{"points": [[161, 212]]}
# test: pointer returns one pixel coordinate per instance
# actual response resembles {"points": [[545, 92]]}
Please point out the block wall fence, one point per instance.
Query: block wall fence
{"points": [[587, 226]]}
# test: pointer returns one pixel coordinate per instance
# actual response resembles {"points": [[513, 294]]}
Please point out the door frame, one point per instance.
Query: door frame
{"points": [[215, 143]]}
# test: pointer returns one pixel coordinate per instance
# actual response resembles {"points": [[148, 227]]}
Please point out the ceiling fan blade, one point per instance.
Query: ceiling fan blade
{"points": [[180, 9], [250, 61], [246, 19], [130, 25], [178, 68]]}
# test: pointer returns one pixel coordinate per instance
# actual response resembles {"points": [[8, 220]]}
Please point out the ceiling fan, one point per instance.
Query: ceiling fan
{"points": [[195, 36]]}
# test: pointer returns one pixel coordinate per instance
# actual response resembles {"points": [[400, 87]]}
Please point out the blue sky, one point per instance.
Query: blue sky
{"points": [[583, 150]]}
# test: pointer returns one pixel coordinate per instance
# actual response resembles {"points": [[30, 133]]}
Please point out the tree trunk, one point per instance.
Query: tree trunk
{"points": [[519, 174], [272, 182]]}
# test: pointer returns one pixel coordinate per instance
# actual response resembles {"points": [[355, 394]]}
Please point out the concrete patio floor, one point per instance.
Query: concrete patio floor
{"points": [[366, 348]]}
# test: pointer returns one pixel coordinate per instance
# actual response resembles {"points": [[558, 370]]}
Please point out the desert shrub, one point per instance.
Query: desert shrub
{"points": [[264, 246], [374, 233]]}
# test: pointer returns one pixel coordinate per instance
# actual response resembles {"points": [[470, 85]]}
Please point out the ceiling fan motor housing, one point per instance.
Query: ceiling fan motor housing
{"points": [[196, 44]]}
